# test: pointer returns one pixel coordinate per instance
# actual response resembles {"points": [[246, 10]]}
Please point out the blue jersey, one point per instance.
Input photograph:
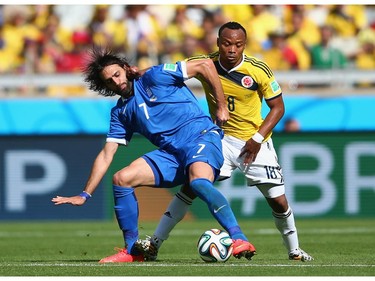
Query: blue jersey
{"points": [[163, 109]]}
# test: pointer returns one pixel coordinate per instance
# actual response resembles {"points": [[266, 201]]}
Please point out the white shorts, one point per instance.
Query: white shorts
{"points": [[265, 172]]}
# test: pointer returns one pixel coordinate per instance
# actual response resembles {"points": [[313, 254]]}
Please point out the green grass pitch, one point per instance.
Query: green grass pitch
{"points": [[341, 247]]}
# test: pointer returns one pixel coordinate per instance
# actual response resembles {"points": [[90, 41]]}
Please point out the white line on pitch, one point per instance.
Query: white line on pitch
{"points": [[156, 264], [180, 232]]}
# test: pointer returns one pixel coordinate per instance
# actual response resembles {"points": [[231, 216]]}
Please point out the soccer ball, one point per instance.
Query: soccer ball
{"points": [[215, 245]]}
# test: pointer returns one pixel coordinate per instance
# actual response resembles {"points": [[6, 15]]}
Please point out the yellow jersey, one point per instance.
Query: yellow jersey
{"points": [[244, 86]]}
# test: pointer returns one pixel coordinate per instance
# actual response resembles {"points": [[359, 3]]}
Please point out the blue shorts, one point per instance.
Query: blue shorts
{"points": [[170, 168]]}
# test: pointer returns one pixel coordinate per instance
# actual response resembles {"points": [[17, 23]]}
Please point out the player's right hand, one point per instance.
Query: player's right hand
{"points": [[222, 116], [74, 200]]}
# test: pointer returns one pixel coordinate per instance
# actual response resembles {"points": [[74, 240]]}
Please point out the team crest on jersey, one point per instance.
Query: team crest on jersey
{"points": [[170, 67], [247, 81]]}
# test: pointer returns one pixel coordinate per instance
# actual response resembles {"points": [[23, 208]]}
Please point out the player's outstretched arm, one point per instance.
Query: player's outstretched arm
{"points": [[98, 170]]}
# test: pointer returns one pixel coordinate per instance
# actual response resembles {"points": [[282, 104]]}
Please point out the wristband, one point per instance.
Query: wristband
{"points": [[85, 195], [257, 137]]}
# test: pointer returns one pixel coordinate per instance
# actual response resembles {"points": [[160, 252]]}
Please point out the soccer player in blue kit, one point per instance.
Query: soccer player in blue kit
{"points": [[157, 104]]}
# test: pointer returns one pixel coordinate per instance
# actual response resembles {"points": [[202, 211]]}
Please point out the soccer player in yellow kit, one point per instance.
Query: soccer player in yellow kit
{"points": [[247, 144]]}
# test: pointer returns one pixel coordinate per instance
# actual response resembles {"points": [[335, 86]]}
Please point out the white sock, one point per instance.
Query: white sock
{"points": [[175, 212], [286, 225]]}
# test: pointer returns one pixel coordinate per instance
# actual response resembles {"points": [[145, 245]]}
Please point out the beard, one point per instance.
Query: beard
{"points": [[127, 92]]}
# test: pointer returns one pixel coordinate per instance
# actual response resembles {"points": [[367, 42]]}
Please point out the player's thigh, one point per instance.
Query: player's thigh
{"points": [[198, 170], [265, 169], [266, 174], [137, 173], [231, 150]]}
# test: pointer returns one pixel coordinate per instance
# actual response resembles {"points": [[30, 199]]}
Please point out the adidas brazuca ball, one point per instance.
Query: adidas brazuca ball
{"points": [[215, 245]]}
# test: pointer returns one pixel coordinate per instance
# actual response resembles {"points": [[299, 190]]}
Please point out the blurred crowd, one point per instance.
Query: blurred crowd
{"points": [[55, 38]]}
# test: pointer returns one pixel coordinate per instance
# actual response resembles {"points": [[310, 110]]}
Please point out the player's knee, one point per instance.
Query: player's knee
{"points": [[122, 178], [278, 204]]}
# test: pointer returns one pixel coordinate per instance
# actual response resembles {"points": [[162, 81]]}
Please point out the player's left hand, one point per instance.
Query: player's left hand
{"points": [[250, 151], [74, 200]]}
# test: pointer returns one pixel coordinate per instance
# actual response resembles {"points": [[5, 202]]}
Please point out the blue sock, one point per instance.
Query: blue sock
{"points": [[126, 210], [218, 206]]}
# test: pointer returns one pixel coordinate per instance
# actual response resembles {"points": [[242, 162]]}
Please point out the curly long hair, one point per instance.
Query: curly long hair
{"points": [[98, 59]]}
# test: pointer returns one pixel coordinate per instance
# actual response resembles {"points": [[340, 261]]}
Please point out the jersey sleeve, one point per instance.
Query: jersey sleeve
{"points": [[167, 74], [270, 87], [117, 132]]}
